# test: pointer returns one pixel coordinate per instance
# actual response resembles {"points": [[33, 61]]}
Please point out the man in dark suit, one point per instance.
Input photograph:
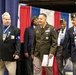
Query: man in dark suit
{"points": [[45, 43], [70, 45], [59, 52], [28, 38], [9, 45]]}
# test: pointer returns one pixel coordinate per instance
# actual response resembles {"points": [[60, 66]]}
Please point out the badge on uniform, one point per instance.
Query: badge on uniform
{"points": [[4, 36], [48, 30], [75, 40], [47, 38], [12, 37], [8, 34], [61, 35]]}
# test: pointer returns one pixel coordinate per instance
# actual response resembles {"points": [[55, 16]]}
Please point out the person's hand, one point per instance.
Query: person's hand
{"points": [[50, 55], [16, 56], [26, 55], [32, 56]]}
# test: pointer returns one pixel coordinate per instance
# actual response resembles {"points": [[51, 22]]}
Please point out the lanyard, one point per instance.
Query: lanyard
{"points": [[6, 29]]}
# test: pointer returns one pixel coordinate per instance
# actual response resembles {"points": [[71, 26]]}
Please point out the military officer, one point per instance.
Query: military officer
{"points": [[44, 43]]}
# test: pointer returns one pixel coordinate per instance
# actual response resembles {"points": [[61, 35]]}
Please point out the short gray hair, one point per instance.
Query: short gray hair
{"points": [[43, 14]]}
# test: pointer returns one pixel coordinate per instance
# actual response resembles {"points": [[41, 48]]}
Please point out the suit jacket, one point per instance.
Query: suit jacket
{"points": [[11, 45], [58, 30], [45, 41], [28, 38], [64, 45], [69, 44]]}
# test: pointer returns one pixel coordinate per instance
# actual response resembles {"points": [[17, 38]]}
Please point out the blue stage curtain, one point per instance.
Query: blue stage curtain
{"points": [[66, 17], [10, 6], [35, 11], [2, 9]]}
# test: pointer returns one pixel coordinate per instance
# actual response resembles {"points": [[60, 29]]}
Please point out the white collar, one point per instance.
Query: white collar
{"points": [[63, 30]]}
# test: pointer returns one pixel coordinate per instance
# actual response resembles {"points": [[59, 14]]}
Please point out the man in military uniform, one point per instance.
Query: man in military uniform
{"points": [[45, 43]]}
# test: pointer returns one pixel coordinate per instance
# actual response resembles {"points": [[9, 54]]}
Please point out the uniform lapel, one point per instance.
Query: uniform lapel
{"points": [[44, 29], [38, 31], [58, 31]]}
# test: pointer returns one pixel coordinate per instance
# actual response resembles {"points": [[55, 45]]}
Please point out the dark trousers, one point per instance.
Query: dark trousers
{"points": [[28, 66], [5, 72], [74, 68], [59, 56]]}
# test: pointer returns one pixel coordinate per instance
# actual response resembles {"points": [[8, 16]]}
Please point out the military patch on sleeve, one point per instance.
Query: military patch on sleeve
{"points": [[37, 31], [18, 37]]}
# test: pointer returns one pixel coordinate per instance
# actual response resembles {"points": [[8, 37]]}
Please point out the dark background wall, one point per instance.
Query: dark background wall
{"points": [[59, 5]]}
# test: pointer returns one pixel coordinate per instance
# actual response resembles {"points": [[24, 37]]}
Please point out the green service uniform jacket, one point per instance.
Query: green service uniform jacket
{"points": [[45, 41]]}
